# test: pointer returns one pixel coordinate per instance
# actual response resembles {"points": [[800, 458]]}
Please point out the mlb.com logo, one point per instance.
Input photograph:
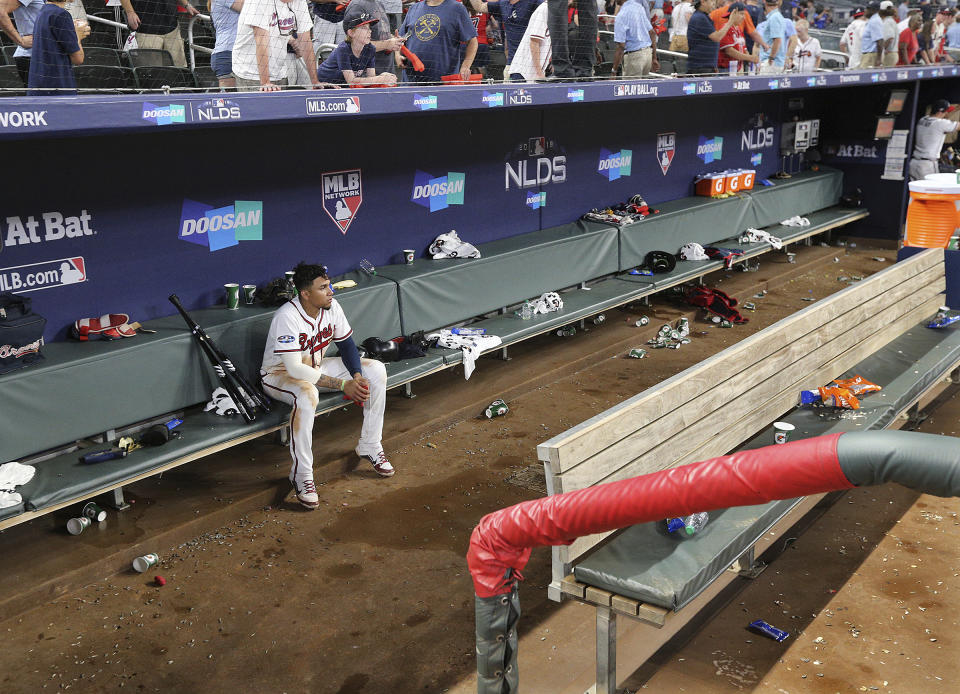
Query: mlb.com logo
{"points": [[710, 150], [575, 94], [322, 105], [613, 165], [756, 159], [492, 100], [438, 193], [536, 200], [45, 275], [164, 115], [221, 227], [425, 103]]}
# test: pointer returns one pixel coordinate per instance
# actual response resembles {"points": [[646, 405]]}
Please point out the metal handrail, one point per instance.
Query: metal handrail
{"points": [[194, 48]]}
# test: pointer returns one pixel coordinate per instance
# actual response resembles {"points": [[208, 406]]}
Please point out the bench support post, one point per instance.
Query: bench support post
{"points": [[408, 391], [117, 501], [606, 650], [283, 435], [503, 354]]}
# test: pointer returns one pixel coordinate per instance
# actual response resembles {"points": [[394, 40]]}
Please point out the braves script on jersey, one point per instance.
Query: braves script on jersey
{"points": [[292, 330]]}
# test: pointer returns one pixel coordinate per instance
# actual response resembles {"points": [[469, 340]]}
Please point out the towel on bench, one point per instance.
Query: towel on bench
{"points": [[472, 346]]}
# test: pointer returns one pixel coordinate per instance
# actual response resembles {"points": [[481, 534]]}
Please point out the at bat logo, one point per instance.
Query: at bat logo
{"points": [[438, 192], [342, 196], [221, 227], [51, 226]]}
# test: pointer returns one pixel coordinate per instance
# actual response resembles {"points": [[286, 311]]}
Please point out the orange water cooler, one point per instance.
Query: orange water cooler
{"points": [[933, 215]]}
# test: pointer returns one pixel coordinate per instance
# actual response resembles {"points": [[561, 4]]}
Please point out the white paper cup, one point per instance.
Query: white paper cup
{"points": [[781, 431], [143, 563], [75, 526]]}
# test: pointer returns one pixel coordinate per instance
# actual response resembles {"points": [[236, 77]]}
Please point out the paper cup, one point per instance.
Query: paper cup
{"points": [[143, 563], [408, 255], [781, 431], [94, 512], [75, 526], [249, 290], [232, 290]]}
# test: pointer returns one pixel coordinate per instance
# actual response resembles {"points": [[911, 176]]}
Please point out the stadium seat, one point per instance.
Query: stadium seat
{"points": [[104, 77], [8, 54], [96, 55], [204, 77], [161, 76], [10, 80], [149, 57], [102, 39]]}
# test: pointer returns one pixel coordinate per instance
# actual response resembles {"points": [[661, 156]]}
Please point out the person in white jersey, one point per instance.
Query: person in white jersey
{"points": [[294, 371], [850, 41], [928, 139]]}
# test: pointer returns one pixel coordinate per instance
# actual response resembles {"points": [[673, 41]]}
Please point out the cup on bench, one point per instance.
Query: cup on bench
{"points": [[249, 290], [408, 255], [232, 290], [781, 431]]}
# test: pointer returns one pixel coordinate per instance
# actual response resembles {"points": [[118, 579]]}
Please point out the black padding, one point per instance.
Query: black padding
{"points": [[928, 463]]}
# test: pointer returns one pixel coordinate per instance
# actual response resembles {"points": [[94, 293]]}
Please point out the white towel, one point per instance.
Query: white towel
{"points": [[757, 235], [472, 346], [796, 221], [13, 475]]}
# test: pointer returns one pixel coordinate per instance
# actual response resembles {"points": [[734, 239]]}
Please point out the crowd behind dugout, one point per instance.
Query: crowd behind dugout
{"points": [[54, 47]]}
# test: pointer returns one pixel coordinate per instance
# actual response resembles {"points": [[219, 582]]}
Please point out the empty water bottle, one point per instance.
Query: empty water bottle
{"points": [[599, 318], [526, 311], [567, 331], [695, 522]]}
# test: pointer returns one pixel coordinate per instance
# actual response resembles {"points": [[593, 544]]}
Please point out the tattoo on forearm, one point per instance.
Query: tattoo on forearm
{"points": [[328, 382]]}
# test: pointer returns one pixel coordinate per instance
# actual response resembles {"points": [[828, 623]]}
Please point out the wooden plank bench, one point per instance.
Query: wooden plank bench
{"points": [[726, 402]]}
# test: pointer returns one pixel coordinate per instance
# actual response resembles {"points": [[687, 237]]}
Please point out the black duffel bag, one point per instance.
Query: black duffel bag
{"points": [[21, 333]]}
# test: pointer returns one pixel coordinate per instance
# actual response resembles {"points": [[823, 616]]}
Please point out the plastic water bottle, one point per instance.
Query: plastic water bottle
{"points": [[468, 331], [567, 332], [526, 311], [695, 522]]}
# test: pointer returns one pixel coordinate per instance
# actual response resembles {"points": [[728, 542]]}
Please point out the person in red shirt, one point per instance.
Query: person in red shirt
{"points": [[733, 46], [908, 45], [721, 13]]}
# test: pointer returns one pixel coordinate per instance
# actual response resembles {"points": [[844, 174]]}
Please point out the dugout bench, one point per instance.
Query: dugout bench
{"points": [[145, 379], [875, 328]]}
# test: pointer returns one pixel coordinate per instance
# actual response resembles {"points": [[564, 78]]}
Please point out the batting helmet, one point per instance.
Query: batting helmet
{"points": [[381, 350]]}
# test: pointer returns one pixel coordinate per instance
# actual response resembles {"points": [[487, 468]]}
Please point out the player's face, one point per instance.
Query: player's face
{"points": [[319, 295]]}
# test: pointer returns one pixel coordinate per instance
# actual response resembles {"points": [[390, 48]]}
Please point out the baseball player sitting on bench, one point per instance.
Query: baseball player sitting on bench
{"points": [[294, 369]]}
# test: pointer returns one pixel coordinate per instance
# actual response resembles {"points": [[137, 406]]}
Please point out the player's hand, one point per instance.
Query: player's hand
{"points": [[357, 390], [133, 20], [270, 87], [191, 10]]}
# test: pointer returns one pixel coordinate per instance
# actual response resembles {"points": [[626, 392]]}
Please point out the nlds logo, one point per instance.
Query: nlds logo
{"points": [[218, 109], [530, 172], [342, 195], [757, 138]]}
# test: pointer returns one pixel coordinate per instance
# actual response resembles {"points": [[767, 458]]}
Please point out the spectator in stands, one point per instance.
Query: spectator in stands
{"points": [[382, 38], [532, 58], [902, 10], [578, 60], [733, 46], [773, 31], [890, 34], [224, 14], [927, 10], [656, 12], [327, 22], [928, 139], [953, 34], [822, 18], [353, 61], [943, 21], [155, 22], [437, 28], [481, 22], [721, 14], [790, 32], [850, 42], [808, 53], [636, 41], [263, 32], [394, 10], [872, 40], [907, 45], [513, 16], [902, 24], [925, 43], [24, 15], [755, 11], [704, 39], [679, 19], [56, 49]]}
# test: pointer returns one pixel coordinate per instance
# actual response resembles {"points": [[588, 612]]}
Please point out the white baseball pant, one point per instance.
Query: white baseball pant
{"points": [[304, 396]]}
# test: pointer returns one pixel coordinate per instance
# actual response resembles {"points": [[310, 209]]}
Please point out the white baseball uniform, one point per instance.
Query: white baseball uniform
{"points": [[294, 332]]}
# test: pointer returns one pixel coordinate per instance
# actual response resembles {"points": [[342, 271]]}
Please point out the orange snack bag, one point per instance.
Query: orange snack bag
{"points": [[857, 385], [839, 397]]}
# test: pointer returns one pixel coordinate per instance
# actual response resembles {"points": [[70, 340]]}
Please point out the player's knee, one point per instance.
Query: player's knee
{"points": [[374, 370], [308, 396]]}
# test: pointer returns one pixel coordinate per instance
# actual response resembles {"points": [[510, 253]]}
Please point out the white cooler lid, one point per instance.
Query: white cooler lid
{"points": [[936, 186]]}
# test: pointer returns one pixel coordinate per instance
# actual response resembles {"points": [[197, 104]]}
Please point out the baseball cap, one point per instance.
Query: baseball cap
{"points": [[734, 7], [857, 12], [873, 5], [886, 5], [359, 20], [941, 105], [945, 10]]}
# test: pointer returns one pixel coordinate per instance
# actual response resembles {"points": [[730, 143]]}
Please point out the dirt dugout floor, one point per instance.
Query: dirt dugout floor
{"points": [[370, 592]]}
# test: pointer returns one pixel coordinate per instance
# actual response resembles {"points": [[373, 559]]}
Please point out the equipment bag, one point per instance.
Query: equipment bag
{"points": [[21, 333]]}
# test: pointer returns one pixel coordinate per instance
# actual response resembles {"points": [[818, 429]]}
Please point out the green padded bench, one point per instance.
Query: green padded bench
{"points": [[873, 328]]}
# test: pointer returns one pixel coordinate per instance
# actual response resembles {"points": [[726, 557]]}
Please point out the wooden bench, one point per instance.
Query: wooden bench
{"points": [[728, 402], [152, 376]]}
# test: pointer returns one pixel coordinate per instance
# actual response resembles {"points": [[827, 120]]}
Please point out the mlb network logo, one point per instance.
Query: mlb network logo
{"points": [[221, 227], [710, 150], [613, 165], [164, 115], [755, 159], [493, 100], [536, 200], [342, 195], [425, 103], [438, 193], [574, 95], [689, 87]]}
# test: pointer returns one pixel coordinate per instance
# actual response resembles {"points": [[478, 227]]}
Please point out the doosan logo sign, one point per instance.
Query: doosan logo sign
{"points": [[425, 103], [614, 165], [536, 200], [710, 149], [221, 227], [342, 195], [438, 192], [164, 115]]}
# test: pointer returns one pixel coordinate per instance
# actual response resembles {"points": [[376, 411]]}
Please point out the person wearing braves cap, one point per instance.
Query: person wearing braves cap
{"points": [[928, 139], [851, 40], [872, 41], [352, 62]]}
